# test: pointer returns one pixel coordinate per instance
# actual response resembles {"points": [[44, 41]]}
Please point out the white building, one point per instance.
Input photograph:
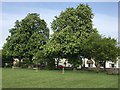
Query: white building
{"points": [[109, 64]]}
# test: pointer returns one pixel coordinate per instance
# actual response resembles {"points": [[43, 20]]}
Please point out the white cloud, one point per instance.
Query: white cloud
{"points": [[106, 25]]}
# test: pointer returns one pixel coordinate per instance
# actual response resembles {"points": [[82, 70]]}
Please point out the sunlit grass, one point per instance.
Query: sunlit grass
{"points": [[0, 78], [25, 78]]}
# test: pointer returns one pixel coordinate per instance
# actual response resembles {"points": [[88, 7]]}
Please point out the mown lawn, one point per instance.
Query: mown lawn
{"points": [[0, 78], [25, 78]]}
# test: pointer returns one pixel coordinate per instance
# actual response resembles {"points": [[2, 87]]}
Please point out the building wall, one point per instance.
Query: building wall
{"points": [[108, 63], [61, 62]]}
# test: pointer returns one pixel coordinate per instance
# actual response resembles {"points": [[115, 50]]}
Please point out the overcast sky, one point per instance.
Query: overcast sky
{"points": [[105, 19]]}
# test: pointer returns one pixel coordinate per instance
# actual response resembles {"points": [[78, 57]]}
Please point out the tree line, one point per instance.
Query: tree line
{"points": [[74, 39]]}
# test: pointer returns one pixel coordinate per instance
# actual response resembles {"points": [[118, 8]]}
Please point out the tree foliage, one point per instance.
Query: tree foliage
{"points": [[74, 38], [101, 49], [71, 28], [27, 36]]}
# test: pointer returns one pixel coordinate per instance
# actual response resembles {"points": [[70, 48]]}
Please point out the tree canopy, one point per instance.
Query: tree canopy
{"points": [[27, 36], [71, 28], [101, 49], [74, 38]]}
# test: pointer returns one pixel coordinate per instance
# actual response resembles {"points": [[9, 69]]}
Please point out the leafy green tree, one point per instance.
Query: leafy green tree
{"points": [[6, 57], [80, 19], [27, 36], [101, 49], [107, 51], [70, 29]]}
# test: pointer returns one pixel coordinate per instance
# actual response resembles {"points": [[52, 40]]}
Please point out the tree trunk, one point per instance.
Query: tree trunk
{"points": [[74, 68], [97, 67], [83, 66], [104, 64], [57, 62]]}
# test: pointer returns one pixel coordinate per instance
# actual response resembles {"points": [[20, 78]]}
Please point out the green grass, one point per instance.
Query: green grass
{"points": [[0, 78], [25, 78]]}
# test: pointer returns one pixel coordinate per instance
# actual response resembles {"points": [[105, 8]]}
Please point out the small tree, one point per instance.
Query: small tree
{"points": [[101, 49]]}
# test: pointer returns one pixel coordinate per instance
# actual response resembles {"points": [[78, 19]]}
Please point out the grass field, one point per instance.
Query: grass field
{"points": [[0, 78], [25, 78]]}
